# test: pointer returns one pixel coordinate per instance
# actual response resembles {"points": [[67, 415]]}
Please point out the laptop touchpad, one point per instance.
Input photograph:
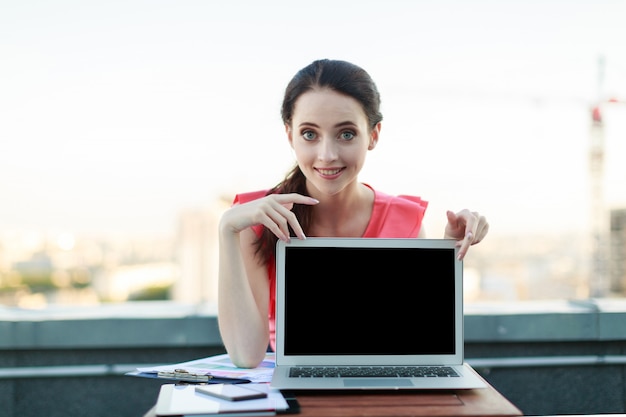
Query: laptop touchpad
{"points": [[377, 382]]}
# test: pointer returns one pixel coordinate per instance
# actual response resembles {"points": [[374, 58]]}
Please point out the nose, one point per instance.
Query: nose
{"points": [[327, 150]]}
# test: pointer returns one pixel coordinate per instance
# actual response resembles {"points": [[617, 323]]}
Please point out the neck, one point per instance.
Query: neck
{"points": [[345, 214]]}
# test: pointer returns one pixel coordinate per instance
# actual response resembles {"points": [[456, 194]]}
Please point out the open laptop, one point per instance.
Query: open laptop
{"points": [[347, 308]]}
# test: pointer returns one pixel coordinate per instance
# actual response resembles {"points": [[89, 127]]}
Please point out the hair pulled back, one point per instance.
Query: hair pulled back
{"points": [[342, 77]]}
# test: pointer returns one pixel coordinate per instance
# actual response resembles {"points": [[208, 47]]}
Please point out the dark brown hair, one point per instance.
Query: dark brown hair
{"points": [[342, 77]]}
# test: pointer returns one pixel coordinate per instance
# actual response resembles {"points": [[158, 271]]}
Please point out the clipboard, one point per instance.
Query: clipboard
{"points": [[188, 377], [219, 367]]}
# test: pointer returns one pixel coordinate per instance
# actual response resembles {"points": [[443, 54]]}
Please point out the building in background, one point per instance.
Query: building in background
{"points": [[197, 254], [617, 258]]}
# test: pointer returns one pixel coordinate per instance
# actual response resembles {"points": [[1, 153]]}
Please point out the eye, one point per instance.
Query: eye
{"points": [[309, 135], [347, 135]]}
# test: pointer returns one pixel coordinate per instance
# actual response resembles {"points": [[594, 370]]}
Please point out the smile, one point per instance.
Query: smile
{"points": [[329, 172]]}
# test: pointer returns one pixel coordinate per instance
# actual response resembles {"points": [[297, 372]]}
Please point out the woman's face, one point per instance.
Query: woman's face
{"points": [[330, 136]]}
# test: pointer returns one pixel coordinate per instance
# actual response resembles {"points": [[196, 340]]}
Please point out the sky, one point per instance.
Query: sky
{"points": [[117, 116]]}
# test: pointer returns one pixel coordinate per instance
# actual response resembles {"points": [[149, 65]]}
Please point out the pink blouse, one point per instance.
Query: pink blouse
{"points": [[392, 217]]}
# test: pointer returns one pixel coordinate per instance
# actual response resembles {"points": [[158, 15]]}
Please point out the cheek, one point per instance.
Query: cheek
{"points": [[302, 153], [357, 158]]}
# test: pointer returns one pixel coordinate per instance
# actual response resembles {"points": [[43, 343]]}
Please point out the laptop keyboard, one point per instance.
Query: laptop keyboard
{"points": [[369, 371]]}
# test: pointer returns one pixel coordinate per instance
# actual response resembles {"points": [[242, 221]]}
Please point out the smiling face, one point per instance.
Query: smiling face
{"points": [[330, 135]]}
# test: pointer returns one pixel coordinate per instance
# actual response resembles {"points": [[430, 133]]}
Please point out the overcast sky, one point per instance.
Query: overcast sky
{"points": [[117, 115]]}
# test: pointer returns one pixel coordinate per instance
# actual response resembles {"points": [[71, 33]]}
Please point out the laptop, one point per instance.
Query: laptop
{"points": [[365, 313]]}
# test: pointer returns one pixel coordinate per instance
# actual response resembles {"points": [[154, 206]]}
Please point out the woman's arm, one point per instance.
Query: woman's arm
{"points": [[243, 283], [243, 299]]}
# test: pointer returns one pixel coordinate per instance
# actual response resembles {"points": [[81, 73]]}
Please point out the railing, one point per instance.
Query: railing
{"points": [[548, 357]]}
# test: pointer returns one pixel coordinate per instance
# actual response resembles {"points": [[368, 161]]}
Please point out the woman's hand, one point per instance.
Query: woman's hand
{"points": [[272, 211], [467, 227]]}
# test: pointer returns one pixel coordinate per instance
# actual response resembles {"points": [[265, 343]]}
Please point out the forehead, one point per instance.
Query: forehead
{"points": [[329, 105]]}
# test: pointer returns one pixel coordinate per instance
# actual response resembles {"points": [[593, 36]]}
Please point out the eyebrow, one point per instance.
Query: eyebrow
{"points": [[346, 123], [340, 124]]}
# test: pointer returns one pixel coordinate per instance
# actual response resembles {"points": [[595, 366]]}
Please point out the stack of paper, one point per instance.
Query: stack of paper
{"points": [[183, 400]]}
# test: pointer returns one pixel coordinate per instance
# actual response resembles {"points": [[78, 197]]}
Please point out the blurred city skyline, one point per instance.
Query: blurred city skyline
{"points": [[117, 117]]}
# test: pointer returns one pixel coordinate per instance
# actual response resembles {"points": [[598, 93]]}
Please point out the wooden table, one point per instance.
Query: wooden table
{"points": [[475, 402]]}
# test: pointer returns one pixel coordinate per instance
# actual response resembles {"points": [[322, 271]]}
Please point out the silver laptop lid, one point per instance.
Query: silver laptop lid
{"points": [[364, 301]]}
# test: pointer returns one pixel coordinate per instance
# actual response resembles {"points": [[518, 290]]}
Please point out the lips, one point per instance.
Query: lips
{"points": [[329, 172]]}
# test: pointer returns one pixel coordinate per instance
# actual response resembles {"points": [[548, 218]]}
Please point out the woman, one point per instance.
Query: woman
{"points": [[331, 113]]}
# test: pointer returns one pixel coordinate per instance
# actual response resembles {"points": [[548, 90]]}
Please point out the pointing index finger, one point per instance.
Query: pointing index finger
{"points": [[296, 198], [464, 245]]}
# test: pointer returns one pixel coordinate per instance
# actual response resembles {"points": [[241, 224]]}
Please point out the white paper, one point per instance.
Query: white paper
{"points": [[183, 399]]}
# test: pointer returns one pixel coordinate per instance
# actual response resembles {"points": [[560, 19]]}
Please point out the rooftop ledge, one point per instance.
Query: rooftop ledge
{"points": [[169, 324]]}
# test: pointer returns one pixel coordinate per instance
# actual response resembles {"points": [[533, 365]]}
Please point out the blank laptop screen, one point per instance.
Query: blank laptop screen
{"points": [[369, 301]]}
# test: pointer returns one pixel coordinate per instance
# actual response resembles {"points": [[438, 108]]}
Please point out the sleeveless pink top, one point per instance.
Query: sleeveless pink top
{"points": [[392, 217]]}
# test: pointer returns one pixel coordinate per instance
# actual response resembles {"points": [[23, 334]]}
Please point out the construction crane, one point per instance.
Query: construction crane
{"points": [[599, 280]]}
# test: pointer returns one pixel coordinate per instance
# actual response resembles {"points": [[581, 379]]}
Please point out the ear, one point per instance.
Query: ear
{"points": [[289, 134], [374, 135]]}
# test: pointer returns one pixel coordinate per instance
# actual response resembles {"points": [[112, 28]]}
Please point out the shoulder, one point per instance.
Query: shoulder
{"points": [[396, 216], [402, 201]]}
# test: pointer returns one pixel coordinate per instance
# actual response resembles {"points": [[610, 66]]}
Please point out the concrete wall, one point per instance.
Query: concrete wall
{"points": [[554, 357]]}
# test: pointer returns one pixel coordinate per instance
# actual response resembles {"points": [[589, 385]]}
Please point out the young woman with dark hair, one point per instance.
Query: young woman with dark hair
{"points": [[331, 113]]}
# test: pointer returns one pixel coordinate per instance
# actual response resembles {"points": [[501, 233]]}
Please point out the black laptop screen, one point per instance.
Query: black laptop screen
{"points": [[369, 301]]}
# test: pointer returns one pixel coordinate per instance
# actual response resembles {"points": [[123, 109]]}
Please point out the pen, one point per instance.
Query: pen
{"points": [[184, 375], [187, 376]]}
